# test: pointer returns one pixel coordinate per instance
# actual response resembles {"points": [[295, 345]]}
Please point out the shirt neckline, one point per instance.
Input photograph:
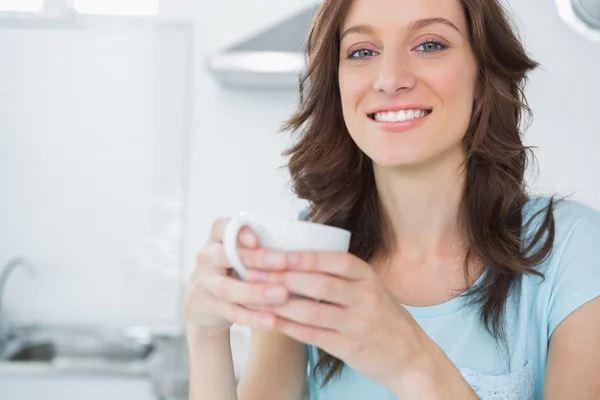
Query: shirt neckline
{"points": [[446, 308]]}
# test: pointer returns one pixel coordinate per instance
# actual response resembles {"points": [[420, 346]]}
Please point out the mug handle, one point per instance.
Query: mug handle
{"points": [[230, 236]]}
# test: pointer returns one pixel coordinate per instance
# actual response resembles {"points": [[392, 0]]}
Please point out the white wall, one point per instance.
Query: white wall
{"points": [[237, 143], [88, 148], [91, 145], [565, 97]]}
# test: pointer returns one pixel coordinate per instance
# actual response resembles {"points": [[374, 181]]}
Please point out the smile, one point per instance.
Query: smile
{"points": [[399, 121], [399, 116]]}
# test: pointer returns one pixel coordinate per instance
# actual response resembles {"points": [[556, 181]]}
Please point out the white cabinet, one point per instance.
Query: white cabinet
{"points": [[25, 387]]}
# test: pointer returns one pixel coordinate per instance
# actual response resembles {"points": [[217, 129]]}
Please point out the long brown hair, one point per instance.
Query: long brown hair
{"points": [[336, 177]]}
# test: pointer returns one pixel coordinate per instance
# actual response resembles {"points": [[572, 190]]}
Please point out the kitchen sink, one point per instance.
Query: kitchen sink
{"points": [[49, 351], [75, 344], [41, 352], [156, 355]]}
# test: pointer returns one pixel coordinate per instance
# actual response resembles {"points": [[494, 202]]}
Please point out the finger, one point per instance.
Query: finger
{"points": [[246, 238], [258, 308], [232, 290], [341, 264], [251, 258], [311, 313], [324, 287], [243, 316], [320, 286], [264, 275], [218, 228], [325, 339]]}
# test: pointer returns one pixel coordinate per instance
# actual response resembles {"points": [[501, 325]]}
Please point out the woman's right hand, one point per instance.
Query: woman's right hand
{"points": [[216, 298]]}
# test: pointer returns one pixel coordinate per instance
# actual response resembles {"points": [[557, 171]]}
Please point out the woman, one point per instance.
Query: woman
{"points": [[459, 285]]}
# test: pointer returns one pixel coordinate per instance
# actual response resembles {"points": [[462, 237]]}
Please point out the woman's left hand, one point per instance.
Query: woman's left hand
{"points": [[357, 319]]}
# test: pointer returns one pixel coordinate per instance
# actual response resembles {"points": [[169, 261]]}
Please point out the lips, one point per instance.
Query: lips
{"points": [[400, 120], [400, 115]]}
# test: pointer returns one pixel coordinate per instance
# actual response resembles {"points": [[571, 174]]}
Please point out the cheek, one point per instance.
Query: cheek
{"points": [[351, 91], [454, 84]]}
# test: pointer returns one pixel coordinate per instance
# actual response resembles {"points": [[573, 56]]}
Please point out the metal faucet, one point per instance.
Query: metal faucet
{"points": [[4, 275]]}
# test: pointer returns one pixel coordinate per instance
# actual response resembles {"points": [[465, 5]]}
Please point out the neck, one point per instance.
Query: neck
{"points": [[423, 208]]}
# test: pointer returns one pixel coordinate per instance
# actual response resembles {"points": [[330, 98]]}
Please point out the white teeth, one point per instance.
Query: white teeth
{"points": [[400, 116]]}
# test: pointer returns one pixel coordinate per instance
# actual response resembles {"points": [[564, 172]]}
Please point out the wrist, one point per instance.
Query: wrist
{"points": [[197, 333], [432, 375], [417, 381]]}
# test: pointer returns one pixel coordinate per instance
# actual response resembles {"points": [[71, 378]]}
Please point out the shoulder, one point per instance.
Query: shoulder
{"points": [[575, 223], [572, 269], [573, 212]]}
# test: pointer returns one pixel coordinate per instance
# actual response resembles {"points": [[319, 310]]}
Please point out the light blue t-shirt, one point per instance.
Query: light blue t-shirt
{"points": [[534, 309]]}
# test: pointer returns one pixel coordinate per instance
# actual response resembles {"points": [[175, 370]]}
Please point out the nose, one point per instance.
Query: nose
{"points": [[394, 75]]}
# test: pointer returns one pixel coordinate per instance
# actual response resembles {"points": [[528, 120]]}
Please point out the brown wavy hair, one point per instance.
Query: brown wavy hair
{"points": [[330, 171]]}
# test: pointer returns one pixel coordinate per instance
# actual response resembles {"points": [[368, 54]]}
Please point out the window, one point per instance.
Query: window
{"points": [[115, 7], [21, 5]]}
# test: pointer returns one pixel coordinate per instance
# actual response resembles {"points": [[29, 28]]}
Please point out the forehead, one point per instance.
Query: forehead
{"points": [[394, 15]]}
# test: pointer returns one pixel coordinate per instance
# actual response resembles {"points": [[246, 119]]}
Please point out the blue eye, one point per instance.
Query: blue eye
{"points": [[361, 53], [430, 46]]}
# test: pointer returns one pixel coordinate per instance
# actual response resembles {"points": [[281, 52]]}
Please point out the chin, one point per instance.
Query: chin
{"points": [[395, 163], [393, 157], [411, 154]]}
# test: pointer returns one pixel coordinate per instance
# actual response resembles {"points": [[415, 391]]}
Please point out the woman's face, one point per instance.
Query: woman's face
{"points": [[407, 79]]}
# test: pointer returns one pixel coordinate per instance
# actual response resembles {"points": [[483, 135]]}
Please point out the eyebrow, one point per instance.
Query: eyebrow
{"points": [[415, 25], [419, 24]]}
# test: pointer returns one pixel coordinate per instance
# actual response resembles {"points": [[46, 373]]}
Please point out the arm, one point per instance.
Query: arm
{"points": [[275, 370], [573, 290], [434, 377], [359, 321], [277, 366], [574, 356], [211, 367]]}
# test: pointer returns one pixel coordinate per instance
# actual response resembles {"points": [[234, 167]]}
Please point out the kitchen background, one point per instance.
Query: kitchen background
{"points": [[119, 147]]}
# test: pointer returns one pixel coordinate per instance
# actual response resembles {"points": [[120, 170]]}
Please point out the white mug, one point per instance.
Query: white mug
{"points": [[284, 235]]}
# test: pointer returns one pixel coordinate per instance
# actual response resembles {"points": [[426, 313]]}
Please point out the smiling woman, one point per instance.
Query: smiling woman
{"points": [[459, 283]]}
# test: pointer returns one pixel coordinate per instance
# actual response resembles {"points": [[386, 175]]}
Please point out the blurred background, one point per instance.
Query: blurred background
{"points": [[128, 126]]}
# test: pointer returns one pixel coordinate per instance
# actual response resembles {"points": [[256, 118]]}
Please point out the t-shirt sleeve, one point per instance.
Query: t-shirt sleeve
{"points": [[575, 278], [304, 214]]}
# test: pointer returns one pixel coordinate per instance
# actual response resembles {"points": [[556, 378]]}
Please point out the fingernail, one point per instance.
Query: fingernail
{"points": [[275, 293], [257, 276], [274, 260], [294, 260], [247, 239]]}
